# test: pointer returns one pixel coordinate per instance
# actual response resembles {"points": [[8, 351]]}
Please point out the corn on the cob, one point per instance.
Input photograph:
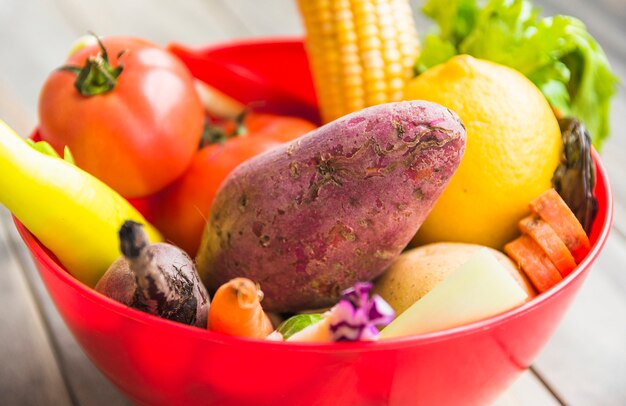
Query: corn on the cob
{"points": [[361, 52]]}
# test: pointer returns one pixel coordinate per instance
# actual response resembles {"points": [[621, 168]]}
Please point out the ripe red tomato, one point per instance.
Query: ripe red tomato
{"points": [[137, 134], [180, 210]]}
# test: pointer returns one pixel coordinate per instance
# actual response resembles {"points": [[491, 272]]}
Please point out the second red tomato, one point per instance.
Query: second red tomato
{"points": [[180, 211]]}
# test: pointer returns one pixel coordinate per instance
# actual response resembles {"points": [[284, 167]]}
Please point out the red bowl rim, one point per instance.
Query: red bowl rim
{"points": [[244, 42], [43, 256]]}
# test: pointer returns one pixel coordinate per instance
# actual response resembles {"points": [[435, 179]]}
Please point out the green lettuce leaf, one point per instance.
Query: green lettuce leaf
{"points": [[556, 53]]}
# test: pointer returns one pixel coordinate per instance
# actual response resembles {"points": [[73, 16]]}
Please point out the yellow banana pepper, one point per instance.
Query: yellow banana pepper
{"points": [[71, 212]]}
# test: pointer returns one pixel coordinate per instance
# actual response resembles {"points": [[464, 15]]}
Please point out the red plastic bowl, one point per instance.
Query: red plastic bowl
{"points": [[158, 362]]}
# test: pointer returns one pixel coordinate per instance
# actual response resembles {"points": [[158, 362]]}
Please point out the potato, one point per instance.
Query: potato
{"points": [[336, 206], [414, 273]]}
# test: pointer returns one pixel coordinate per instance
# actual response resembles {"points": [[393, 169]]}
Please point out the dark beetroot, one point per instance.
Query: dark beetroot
{"points": [[159, 279]]}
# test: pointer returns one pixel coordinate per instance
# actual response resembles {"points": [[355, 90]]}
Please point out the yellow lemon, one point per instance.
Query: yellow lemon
{"points": [[513, 147]]}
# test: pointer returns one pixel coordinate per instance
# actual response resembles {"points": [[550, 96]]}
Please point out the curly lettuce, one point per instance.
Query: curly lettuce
{"points": [[556, 53]]}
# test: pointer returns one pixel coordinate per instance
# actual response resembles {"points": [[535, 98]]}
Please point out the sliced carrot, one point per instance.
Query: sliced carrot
{"points": [[534, 262], [553, 210], [550, 243]]}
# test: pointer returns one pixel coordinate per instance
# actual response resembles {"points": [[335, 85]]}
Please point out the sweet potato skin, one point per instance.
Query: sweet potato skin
{"points": [[333, 207]]}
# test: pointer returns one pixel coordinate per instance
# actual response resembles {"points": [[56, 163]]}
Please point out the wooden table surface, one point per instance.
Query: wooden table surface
{"points": [[584, 363]]}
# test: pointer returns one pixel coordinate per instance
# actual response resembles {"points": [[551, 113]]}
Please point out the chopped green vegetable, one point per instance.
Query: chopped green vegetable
{"points": [[298, 322], [46, 149], [556, 53]]}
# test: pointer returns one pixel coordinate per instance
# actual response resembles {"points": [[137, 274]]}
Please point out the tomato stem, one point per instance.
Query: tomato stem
{"points": [[212, 134], [97, 76], [240, 119]]}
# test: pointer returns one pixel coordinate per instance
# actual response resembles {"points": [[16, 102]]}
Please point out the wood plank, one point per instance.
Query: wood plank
{"points": [[527, 390], [279, 17], [14, 114], [585, 360], [30, 374], [33, 45], [161, 21]]}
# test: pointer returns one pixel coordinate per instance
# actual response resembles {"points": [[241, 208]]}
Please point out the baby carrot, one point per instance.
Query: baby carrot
{"points": [[236, 310]]}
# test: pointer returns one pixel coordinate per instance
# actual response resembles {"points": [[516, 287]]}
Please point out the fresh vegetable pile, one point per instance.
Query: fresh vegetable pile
{"points": [[307, 234]]}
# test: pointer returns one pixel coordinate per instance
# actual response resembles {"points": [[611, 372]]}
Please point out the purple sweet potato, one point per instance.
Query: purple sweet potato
{"points": [[336, 206]]}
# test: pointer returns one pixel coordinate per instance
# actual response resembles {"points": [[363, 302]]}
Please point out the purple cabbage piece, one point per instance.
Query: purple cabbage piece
{"points": [[358, 314]]}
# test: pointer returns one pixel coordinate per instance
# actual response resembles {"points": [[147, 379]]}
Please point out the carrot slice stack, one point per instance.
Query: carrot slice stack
{"points": [[554, 211], [545, 236], [531, 258], [552, 243]]}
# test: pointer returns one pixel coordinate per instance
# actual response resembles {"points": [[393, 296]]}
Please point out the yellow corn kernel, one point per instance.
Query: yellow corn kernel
{"points": [[361, 51]]}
